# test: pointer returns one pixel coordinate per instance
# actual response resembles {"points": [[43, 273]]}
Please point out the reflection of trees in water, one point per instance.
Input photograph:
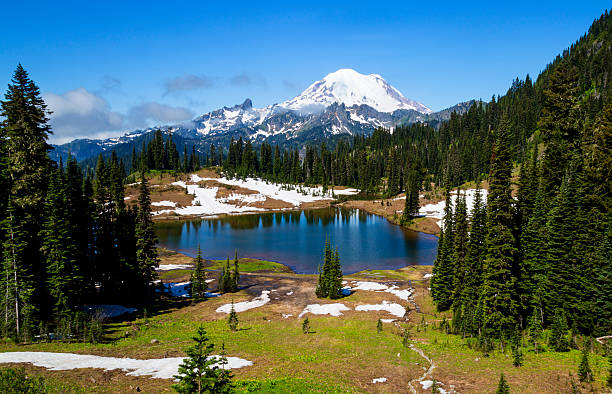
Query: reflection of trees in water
{"points": [[241, 222], [267, 220]]}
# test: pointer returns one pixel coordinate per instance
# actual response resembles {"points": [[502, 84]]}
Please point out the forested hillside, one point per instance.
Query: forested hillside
{"points": [[67, 239]]}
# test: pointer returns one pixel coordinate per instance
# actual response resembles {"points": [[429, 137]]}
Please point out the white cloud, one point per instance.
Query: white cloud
{"points": [[79, 113]]}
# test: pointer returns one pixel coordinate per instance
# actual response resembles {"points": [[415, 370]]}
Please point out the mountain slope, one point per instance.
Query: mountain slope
{"points": [[351, 88], [344, 102]]}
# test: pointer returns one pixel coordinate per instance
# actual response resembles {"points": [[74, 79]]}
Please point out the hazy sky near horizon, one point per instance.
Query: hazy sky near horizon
{"points": [[108, 67]]}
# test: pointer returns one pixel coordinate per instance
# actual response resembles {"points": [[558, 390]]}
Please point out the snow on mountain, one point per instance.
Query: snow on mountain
{"points": [[351, 88]]}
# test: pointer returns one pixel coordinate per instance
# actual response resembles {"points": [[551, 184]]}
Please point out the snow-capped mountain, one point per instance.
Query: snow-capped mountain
{"points": [[345, 102], [348, 87]]}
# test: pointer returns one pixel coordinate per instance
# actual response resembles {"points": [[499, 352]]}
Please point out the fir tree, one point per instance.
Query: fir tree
{"points": [[146, 253], [559, 332], [584, 369], [502, 386], [335, 280], [199, 373], [379, 326], [236, 273], [59, 249], [609, 381], [499, 291], [232, 319], [442, 280], [198, 278], [306, 326]]}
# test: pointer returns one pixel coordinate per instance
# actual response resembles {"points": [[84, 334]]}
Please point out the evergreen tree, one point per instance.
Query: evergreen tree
{"points": [[198, 278], [236, 273], [335, 279], [146, 253], [584, 369], [59, 249], [232, 319], [306, 326], [200, 373], [499, 268], [609, 381], [442, 279], [502, 386], [379, 326], [559, 332]]}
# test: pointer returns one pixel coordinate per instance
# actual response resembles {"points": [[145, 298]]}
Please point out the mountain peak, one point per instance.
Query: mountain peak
{"points": [[350, 87]]}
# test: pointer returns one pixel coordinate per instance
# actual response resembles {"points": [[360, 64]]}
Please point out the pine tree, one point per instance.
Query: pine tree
{"points": [[322, 290], [306, 326], [499, 268], [335, 279], [559, 332], [473, 263], [379, 326], [442, 280], [232, 319], [584, 369], [198, 278], [59, 249], [460, 248], [502, 386], [236, 273], [199, 373], [146, 253]]}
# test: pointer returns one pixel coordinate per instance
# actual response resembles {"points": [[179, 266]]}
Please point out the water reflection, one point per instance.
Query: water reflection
{"points": [[296, 238]]}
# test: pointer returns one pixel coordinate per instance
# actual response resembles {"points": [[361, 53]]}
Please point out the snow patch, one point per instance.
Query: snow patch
{"points": [[391, 307], [379, 380], [256, 302], [162, 368], [326, 309], [168, 267]]}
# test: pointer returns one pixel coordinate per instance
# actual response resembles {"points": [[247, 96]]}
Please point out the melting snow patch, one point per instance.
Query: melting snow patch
{"points": [[370, 286], [168, 267], [387, 320], [327, 309], [391, 307], [375, 286], [163, 368], [164, 203], [290, 293], [286, 316], [106, 310], [256, 302], [181, 289], [427, 276], [379, 380]]}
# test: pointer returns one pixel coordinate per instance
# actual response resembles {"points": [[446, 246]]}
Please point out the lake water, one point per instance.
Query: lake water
{"points": [[297, 239]]}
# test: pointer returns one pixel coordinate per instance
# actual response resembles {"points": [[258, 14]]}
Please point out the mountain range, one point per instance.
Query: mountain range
{"points": [[344, 103]]}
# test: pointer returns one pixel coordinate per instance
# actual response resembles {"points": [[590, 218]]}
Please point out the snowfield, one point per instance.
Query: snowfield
{"points": [[168, 267], [207, 203], [374, 286], [326, 309], [162, 368], [436, 210], [256, 302], [391, 307]]}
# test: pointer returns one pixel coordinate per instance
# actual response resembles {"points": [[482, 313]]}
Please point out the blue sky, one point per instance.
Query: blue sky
{"points": [[106, 67]]}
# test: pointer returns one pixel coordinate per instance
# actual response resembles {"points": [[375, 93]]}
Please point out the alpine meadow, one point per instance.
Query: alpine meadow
{"points": [[344, 239]]}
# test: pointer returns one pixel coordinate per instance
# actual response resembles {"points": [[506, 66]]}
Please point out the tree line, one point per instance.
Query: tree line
{"points": [[538, 254], [67, 237]]}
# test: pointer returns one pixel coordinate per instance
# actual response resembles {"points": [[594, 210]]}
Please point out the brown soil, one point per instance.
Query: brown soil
{"points": [[392, 208]]}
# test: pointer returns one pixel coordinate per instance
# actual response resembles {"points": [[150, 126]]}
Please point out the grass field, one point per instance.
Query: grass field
{"points": [[340, 354]]}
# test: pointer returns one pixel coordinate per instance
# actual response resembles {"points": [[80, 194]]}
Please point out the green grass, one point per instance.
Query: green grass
{"points": [[251, 265]]}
